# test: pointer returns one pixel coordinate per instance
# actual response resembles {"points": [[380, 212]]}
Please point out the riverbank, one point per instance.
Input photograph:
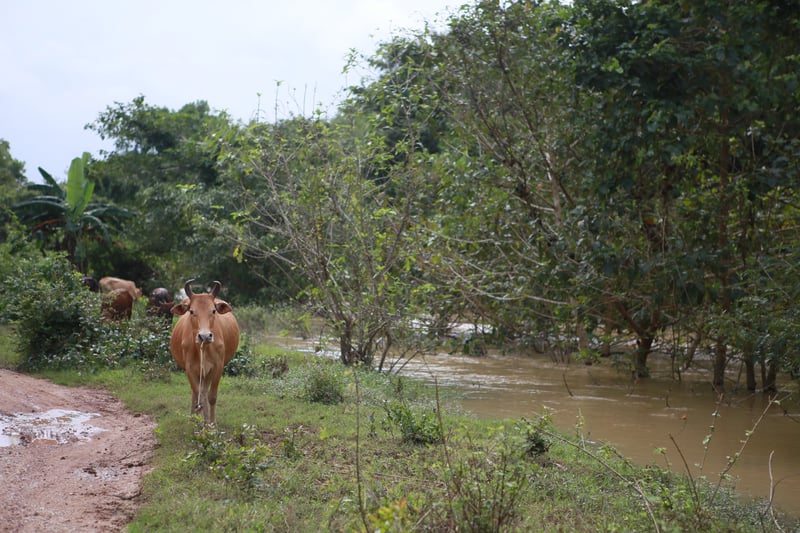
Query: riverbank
{"points": [[388, 454]]}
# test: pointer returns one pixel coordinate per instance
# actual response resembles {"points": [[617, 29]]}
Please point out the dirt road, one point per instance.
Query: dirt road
{"points": [[71, 459]]}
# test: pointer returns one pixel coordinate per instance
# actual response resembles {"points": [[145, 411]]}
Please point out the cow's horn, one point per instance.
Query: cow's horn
{"points": [[215, 289], [188, 288]]}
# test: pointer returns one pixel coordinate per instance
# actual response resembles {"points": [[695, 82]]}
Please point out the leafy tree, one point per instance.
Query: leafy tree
{"points": [[154, 146], [500, 240], [12, 186], [63, 218], [12, 171], [309, 203], [166, 166], [404, 95], [678, 160]]}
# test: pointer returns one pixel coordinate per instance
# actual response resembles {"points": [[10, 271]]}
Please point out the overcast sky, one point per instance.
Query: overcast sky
{"points": [[63, 62]]}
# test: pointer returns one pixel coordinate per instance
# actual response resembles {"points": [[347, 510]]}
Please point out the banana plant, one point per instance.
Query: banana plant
{"points": [[63, 217]]}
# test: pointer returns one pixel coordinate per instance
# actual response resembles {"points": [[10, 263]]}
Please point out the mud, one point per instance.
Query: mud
{"points": [[71, 459]]}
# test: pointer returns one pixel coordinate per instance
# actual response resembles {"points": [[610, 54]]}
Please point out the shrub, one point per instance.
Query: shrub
{"points": [[416, 426], [324, 385], [51, 309], [275, 366], [240, 460], [535, 440], [486, 488], [242, 362]]}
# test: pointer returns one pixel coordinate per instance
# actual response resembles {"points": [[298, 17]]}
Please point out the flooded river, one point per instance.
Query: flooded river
{"points": [[639, 418]]}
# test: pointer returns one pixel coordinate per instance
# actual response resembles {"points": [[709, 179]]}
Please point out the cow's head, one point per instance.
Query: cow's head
{"points": [[202, 309]]}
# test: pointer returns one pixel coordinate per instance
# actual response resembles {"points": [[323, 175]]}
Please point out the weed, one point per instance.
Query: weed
{"points": [[486, 487], [289, 445], [416, 426], [275, 366], [391, 517], [535, 440], [239, 460], [324, 385], [242, 363]]}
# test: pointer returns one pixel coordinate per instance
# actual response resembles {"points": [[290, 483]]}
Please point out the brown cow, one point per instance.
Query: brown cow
{"points": [[160, 304], [117, 304], [203, 341], [108, 284]]}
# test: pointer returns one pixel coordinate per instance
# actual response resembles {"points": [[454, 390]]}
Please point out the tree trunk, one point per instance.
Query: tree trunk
{"points": [[750, 371], [721, 353], [769, 380], [643, 348], [346, 343], [720, 362]]}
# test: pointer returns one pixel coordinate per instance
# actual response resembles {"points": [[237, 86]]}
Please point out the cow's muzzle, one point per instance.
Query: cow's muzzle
{"points": [[205, 337]]}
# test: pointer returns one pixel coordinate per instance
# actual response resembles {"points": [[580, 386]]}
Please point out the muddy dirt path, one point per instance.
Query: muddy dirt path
{"points": [[71, 459]]}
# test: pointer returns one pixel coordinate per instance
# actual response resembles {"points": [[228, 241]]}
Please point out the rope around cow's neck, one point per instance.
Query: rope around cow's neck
{"points": [[200, 389]]}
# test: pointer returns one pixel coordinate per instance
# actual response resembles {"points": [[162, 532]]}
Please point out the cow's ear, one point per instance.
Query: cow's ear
{"points": [[179, 309], [222, 307]]}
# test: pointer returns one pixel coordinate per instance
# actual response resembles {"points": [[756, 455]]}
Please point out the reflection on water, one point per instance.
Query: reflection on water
{"points": [[639, 418]]}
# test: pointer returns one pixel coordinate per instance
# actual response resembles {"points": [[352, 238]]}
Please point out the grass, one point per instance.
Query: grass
{"points": [[378, 453], [9, 357]]}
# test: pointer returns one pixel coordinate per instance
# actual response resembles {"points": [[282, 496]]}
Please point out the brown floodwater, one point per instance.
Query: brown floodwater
{"points": [[601, 403]]}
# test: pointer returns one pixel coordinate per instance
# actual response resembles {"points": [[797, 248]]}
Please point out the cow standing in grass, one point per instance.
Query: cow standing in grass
{"points": [[203, 341], [117, 305], [160, 304], [119, 296], [108, 284]]}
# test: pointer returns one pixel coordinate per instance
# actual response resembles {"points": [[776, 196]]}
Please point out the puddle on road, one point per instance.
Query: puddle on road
{"points": [[53, 427]]}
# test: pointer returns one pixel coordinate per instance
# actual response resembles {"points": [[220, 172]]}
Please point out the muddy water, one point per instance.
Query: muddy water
{"points": [[602, 404]]}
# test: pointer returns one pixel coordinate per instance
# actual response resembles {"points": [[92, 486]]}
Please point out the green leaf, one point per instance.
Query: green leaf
{"points": [[79, 188]]}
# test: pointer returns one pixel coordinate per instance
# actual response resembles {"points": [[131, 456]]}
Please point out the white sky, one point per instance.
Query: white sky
{"points": [[63, 62]]}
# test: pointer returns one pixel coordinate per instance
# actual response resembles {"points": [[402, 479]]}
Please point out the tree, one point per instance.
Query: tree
{"points": [[12, 186], [693, 106], [155, 145], [166, 165], [64, 218], [309, 203], [12, 171], [500, 242]]}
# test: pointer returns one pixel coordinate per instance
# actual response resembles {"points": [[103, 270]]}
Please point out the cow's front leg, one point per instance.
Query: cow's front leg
{"points": [[195, 406], [212, 394]]}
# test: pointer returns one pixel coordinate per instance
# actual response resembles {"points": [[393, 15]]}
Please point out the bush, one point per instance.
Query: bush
{"points": [[242, 362], [486, 488], [416, 426], [58, 322], [325, 385], [50, 308], [240, 459], [275, 366]]}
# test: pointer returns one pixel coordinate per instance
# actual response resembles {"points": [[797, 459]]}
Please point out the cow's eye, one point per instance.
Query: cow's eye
{"points": [[191, 311], [213, 311]]}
